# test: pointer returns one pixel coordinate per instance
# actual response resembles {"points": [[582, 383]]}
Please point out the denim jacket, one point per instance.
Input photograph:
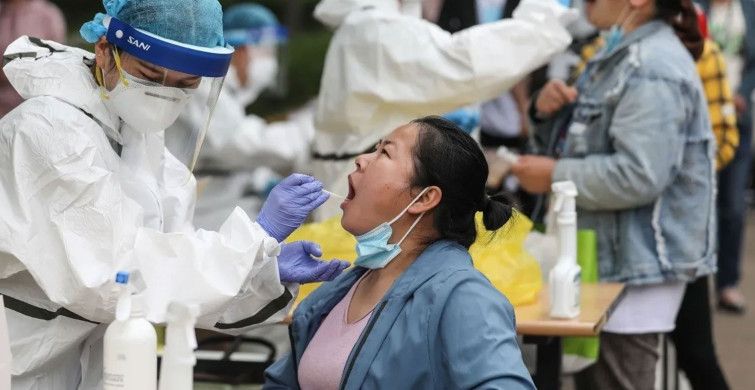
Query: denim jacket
{"points": [[638, 145], [442, 325]]}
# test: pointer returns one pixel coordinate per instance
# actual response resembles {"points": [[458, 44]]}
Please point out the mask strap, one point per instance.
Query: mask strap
{"points": [[404, 212], [629, 18], [401, 214], [410, 229], [626, 15], [98, 75], [120, 69]]}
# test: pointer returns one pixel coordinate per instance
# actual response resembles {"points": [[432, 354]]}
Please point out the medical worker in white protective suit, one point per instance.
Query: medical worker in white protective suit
{"points": [[243, 156], [88, 188], [386, 66]]}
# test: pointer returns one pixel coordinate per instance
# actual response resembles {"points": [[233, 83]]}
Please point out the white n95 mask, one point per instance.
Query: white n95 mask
{"points": [[145, 106], [261, 73]]}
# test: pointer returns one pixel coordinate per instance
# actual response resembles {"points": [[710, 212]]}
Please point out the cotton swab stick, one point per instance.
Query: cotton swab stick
{"points": [[334, 195]]}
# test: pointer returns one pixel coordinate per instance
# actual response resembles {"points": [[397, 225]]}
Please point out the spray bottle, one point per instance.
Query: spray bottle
{"points": [[565, 277], [130, 345], [177, 369]]}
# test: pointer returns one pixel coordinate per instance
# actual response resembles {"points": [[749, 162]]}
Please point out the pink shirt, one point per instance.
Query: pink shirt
{"points": [[35, 18], [324, 360]]}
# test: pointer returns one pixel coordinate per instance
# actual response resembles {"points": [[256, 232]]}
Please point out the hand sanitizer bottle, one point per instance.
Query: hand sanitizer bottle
{"points": [[565, 277], [130, 345]]}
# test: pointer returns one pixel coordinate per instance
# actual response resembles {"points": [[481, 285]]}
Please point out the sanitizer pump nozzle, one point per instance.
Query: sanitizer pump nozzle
{"points": [[177, 370], [565, 277]]}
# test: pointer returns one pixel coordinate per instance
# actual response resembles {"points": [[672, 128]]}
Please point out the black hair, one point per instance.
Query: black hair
{"points": [[682, 16], [447, 157]]}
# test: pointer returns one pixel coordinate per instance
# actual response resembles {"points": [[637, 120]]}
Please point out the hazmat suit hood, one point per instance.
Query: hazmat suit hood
{"points": [[332, 13], [37, 67]]}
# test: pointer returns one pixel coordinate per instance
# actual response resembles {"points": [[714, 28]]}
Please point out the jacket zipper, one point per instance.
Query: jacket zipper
{"points": [[361, 344]]}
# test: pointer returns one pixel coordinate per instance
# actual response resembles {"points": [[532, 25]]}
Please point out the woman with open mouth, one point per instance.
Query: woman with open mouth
{"points": [[413, 312]]}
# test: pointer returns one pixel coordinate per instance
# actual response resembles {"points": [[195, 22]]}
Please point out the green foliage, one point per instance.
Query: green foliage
{"points": [[306, 60]]}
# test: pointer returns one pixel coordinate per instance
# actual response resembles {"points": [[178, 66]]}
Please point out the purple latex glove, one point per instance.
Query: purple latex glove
{"points": [[289, 204], [297, 264]]}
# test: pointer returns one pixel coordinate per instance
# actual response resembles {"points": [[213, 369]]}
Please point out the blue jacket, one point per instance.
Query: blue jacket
{"points": [[442, 325], [638, 145]]}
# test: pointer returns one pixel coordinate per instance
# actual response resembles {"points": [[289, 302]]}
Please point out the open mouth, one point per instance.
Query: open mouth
{"points": [[351, 193]]}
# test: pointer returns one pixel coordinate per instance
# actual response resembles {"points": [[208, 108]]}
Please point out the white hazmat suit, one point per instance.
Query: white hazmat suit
{"points": [[68, 226], [384, 69]]}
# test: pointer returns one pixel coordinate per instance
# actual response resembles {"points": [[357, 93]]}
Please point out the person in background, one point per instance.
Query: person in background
{"points": [[635, 138], [414, 313], [385, 66], [35, 18], [693, 335], [243, 156], [732, 27]]}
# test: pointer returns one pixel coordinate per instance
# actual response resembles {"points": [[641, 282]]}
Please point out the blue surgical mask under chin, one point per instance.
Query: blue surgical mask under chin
{"points": [[373, 249], [613, 37]]}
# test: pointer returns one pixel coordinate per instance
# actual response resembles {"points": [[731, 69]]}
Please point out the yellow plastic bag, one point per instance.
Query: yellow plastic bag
{"points": [[502, 258], [499, 256]]}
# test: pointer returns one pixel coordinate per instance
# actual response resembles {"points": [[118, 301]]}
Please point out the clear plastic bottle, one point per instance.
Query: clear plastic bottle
{"points": [[177, 369]]}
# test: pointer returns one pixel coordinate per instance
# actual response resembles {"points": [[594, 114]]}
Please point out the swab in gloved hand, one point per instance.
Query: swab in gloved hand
{"points": [[332, 195]]}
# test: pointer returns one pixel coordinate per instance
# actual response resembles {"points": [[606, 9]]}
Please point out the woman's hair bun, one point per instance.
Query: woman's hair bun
{"points": [[497, 210]]}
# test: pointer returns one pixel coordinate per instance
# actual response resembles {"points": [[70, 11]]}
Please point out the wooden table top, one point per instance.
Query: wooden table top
{"points": [[598, 300]]}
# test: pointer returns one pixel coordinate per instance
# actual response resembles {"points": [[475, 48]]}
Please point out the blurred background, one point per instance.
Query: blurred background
{"points": [[306, 49]]}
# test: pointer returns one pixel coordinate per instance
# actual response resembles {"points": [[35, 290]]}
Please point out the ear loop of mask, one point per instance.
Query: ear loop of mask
{"points": [[416, 221], [100, 75], [120, 68], [626, 16]]}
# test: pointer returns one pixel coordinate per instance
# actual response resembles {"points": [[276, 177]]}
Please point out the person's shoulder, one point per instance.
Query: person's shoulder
{"points": [[46, 125], [466, 287], [466, 298], [663, 56]]}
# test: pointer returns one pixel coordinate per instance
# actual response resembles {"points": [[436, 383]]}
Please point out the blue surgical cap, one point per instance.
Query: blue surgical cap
{"points": [[193, 22], [248, 16], [252, 24]]}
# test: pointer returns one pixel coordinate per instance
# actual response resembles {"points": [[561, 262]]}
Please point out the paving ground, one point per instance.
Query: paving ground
{"points": [[735, 336]]}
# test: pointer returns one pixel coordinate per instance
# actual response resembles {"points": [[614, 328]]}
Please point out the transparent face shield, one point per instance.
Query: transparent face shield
{"points": [[267, 67], [159, 81]]}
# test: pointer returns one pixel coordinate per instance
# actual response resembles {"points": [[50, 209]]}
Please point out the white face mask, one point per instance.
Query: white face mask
{"points": [[261, 74], [145, 106]]}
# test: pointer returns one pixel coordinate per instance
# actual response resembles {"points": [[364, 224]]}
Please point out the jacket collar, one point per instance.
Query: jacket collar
{"points": [[439, 256], [642, 32]]}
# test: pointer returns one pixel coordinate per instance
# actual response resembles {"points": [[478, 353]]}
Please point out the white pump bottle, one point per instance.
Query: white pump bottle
{"points": [[565, 277], [177, 369], [130, 345]]}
